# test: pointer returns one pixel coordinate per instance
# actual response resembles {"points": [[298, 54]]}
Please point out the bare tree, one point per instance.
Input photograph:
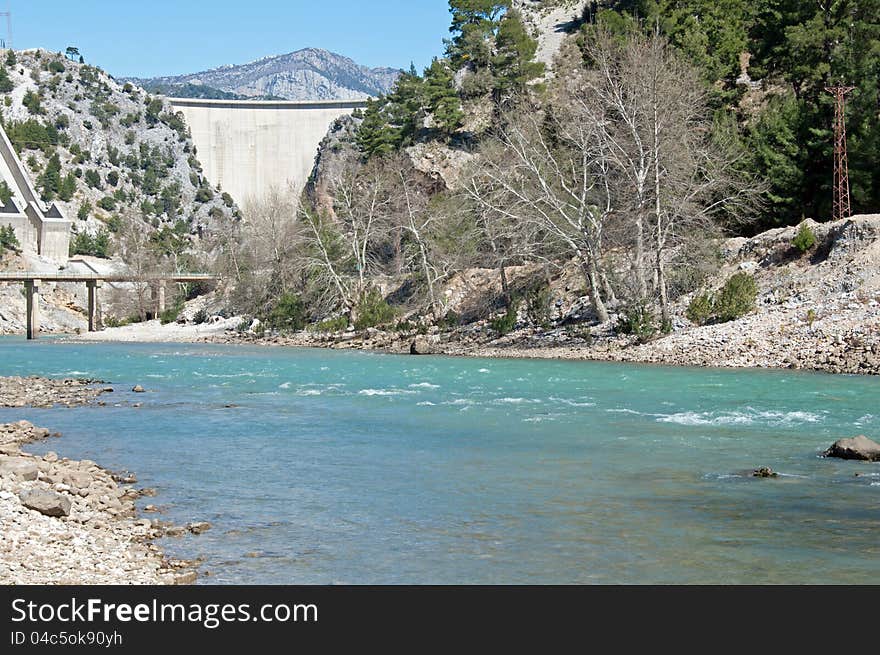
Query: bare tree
{"points": [[137, 252], [557, 180], [436, 236]]}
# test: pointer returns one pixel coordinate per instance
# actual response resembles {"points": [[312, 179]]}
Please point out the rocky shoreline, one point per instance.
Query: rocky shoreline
{"points": [[73, 522], [778, 341]]}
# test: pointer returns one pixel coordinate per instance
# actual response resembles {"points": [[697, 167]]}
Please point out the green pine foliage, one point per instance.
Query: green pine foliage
{"points": [[373, 310], [67, 188], [797, 49], [5, 192], [805, 239], [32, 102], [288, 314], [441, 99], [49, 182], [95, 245], [736, 298], [6, 84], [513, 63], [8, 240]]}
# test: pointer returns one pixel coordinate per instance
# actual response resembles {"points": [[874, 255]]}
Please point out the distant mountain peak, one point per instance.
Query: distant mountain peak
{"points": [[306, 74]]}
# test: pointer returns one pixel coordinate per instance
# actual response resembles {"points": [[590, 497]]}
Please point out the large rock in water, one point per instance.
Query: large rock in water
{"points": [[46, 502], [859, 447], [422, 345]]}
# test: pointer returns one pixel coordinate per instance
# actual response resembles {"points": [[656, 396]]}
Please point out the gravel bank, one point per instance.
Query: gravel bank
{"points": [[72, 522]]}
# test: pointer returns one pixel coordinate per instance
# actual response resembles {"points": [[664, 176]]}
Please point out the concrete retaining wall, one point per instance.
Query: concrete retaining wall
{"points": [[38, 228], [249, 147]]}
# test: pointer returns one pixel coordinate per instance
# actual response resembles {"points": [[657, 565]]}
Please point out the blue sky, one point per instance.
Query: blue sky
{"points": [[147, 38]]}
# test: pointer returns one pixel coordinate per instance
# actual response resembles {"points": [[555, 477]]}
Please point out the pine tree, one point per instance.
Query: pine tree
{"points": [[11, 59], [513, 63], [6, 84], [441, 98], [474, 25], [50, 181], [67, 188], [375, 137]]}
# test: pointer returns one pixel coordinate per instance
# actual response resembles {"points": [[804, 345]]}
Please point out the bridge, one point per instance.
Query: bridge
{"points": [[33, 280], [250, 146]]}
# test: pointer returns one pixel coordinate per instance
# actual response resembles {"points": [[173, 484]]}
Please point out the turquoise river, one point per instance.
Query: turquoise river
{"points": [[318, 466]]}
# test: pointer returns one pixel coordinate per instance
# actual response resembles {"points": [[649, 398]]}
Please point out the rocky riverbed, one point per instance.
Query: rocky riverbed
{"points": [[44, 392], [73, 522]]}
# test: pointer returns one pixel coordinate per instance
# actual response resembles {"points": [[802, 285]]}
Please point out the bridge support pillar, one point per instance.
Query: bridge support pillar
{"points": [[32, 293], [159, 297], [94, 309]]}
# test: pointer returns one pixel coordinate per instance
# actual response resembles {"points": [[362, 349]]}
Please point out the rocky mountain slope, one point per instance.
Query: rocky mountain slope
{"points": [[309, 74], [103, 151]]}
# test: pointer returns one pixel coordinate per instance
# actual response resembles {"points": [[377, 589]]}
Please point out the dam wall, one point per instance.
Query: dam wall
{"points": [[249, 146]]}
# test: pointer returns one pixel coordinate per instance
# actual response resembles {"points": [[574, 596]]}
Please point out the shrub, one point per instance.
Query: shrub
{"points": [[538, 306], [92, 178], [84, 210], [288, 313], [373, 310], [170, 315], [736, 298], [114, 223], [204, 194], [5, 192], [701, 309], [505, 324], [200, 317], [97, 245], [107, 203], [114, 322], [337, 324], [639, 321], [804, 239], [8, 240], [6, 84], [31, 100], [449, 322]]}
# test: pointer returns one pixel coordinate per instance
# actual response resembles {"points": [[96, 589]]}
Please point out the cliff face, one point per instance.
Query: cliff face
{"points": [[310, 74], [104, 151]]}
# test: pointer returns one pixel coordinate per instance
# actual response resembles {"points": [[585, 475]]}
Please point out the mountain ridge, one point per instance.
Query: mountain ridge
{"points": [[306, 74]]}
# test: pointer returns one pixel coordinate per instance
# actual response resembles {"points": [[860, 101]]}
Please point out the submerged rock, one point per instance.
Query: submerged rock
{"points": [[859, 447], [764, 472], [138, 389], [46, 502], [198, 527]]}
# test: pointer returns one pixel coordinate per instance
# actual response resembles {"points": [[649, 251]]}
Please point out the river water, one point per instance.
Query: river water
{"points": [[348, 467]]}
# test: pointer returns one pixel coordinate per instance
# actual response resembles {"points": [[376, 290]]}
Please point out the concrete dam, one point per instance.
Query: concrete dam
{"points": [[251, 146]]}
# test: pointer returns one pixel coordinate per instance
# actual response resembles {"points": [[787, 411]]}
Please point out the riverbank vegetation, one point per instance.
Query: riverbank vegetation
{"points": [[619, 162]]}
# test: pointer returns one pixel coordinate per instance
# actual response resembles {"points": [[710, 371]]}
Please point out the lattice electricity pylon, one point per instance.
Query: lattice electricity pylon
{"points": [[841, 166]]}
